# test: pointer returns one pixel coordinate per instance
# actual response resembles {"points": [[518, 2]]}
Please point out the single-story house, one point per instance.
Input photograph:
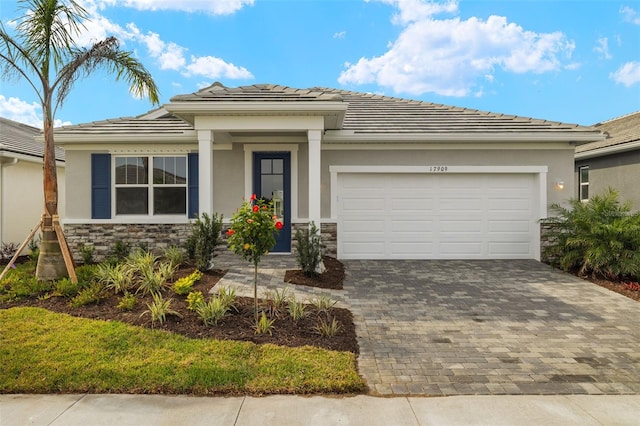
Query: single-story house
{"points": [[386, 178], [613, 162], [21, 190]]}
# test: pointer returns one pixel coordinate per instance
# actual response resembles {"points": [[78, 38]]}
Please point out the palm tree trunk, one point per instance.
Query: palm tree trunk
{"points": [[51, 265]]}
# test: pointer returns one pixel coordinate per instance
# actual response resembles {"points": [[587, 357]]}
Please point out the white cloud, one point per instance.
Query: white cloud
{"points": [[214, 7], [602, 47], [212, 67], [630, 15], [168, 55], [18, 110], [449, 56], [24, 112], [340, 34], [627, 75]]}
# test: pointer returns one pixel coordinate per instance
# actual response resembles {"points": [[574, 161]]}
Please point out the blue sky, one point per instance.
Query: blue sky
{"points": [[569, 61]]}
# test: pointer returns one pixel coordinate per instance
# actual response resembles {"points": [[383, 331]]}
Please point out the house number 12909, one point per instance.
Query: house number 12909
{"points": [[438, 168]]}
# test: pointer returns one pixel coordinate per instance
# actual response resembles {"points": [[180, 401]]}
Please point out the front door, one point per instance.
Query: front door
{"points": [[272, 182]]}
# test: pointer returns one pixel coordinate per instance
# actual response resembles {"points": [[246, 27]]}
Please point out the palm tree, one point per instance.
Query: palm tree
{"points": [[44, 53]]}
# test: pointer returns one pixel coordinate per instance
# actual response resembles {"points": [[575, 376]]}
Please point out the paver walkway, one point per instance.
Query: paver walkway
{"points": [[476, 327]]}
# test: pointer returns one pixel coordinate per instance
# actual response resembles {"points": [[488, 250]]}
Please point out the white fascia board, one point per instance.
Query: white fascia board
{"points": [[110, 138], [28, 158], [266, 107], [340, 136], [607, 150], [280, 123], [144, 148], [435, 146], [437, 169]]}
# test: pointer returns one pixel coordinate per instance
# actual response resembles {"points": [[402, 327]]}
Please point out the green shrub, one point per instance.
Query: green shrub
{"points": [[228, 295], [184, 285], [66, 288], [120, 252], [34, 249], [212, 311], [20, 283], [599, 237], [309, 246], [151, 281], [205, 236], [92, 294], [264, 325], [297, 309], [86, 274], [323, 303], [117, 277], [277, 300], [127, 302], [159, 309], [194, 299], [174, 255], [86, 252], [327, 328]]}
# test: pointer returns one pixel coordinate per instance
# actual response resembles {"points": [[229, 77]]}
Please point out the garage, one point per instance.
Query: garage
{"points": [[443, 215]]}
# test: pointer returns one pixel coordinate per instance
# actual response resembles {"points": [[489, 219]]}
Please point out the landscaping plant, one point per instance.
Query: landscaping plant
{"points": [[184, 285], [309, 246], [205, 236], [252, 235], [599, 237]]}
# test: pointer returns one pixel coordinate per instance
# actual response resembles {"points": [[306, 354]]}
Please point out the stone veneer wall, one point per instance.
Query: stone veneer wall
{"points": [[157, 237], [328, 232], [103, 237]]}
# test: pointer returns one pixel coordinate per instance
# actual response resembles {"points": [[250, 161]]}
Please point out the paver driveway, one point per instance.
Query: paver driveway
{"points": [[490, 327]]}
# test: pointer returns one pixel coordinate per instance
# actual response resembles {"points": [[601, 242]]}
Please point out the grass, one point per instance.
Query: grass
{"points": [[46, 352]]}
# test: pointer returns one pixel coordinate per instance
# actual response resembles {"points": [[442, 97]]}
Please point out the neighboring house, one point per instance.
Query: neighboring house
{"points": [[386, 178], [613, 162], [21, 190]]}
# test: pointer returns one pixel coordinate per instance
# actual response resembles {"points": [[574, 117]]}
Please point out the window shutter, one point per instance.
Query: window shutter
{"points": [[100, 186], [192, 185]]}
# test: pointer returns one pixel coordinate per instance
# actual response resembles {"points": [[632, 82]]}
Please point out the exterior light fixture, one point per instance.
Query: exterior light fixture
{"points": [[559, 185]]}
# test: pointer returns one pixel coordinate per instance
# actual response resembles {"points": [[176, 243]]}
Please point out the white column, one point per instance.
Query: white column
{"points": [[315, 137], [205, 171]]}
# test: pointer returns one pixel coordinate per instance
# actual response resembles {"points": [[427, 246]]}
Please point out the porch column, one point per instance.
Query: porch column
{"points": [[315, 137], [205, 171]]}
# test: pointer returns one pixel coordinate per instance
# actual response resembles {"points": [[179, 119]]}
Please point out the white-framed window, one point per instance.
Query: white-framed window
{"points": [[150, 185], [583, 183]]}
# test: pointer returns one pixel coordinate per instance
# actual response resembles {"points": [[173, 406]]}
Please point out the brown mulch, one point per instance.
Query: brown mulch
{"points": [[238, 325], [332, 278], [618, 287]]}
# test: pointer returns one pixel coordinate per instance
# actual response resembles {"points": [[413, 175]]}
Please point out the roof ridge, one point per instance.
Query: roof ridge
{"points": [[617, 118]]}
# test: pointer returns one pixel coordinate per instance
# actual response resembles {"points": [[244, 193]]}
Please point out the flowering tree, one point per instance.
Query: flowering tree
{"points": [[252, 235]]}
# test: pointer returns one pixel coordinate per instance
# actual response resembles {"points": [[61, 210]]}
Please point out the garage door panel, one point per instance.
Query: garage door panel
{"points": [[436, 216]]}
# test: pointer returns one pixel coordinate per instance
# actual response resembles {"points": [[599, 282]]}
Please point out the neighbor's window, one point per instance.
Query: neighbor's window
{"points": [[583, 177], [151, 185]]}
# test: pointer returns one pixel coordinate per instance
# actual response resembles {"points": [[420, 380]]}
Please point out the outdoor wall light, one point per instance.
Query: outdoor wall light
{"points": [[559, 185]]}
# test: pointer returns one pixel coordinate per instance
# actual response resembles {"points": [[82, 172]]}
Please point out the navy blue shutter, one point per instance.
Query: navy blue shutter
{"points": [[100, 186], [192, 185]]}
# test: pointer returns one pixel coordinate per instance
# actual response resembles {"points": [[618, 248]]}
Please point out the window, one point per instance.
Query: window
{"points": [[151, 185], [583, 179]]}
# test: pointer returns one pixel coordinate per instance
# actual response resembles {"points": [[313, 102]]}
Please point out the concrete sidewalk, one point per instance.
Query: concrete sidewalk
{"points": [[141, 410]]}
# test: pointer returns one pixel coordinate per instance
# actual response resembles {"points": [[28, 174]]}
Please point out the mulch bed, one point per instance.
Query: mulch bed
{"points": [[238, 325], [332, 278], [618, 287]]}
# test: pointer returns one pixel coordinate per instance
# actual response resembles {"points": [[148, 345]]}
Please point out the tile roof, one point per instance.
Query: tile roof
{"points": [[619, 131], [366, 114], [19, 138]]}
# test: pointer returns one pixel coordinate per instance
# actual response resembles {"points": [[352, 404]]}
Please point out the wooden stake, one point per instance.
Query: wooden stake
{"points": [[24, 244], [66, 252]]}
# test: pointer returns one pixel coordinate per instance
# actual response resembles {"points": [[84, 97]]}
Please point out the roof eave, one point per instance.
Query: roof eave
{"points": [[608, 150], [160, 138], [569, 137]]}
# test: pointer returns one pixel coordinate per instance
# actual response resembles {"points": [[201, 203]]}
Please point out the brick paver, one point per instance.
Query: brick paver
{"points": [[477, 327]]}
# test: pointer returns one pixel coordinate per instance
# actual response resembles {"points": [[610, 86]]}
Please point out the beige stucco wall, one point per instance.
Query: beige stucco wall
{"points": [[22, 201], [559, 162], [620, 171], [229, 171]]}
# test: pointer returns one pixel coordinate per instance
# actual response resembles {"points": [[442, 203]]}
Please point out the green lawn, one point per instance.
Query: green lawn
{"points": [[46, 352]]}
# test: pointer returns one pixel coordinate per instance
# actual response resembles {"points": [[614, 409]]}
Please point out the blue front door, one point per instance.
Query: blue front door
{"points": [[272, 182]]}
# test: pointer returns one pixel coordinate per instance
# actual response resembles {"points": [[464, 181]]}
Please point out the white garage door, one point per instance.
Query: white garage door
{"points": [[437, 216]]}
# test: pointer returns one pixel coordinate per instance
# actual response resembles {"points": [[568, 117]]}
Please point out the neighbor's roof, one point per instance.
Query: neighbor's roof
{"points": [[621, 133], [364, 115], [19, 138]]}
